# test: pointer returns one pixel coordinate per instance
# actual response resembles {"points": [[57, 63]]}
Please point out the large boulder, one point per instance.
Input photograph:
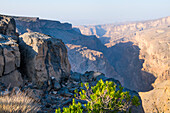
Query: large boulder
{"points": [[43, 57], [9, 61]]}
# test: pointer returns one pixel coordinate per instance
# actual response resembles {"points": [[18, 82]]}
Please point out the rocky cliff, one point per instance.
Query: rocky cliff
{"points": [[9, 61], [121, 62], [32, 56], [38, 63], [7, 25], [9, 53], [43, 57], [82, 50], [84, 59], [151, 38], [154, 47], [139, 51]]}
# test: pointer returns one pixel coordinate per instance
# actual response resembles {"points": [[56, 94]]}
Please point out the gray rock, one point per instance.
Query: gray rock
{"points": [[9, 61], [14, 79], [65, 92], [57, 86], [75, 76], [43, 57]]}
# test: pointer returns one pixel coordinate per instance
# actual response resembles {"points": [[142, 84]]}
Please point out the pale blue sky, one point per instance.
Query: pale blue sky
{"points": [[88, 11]]}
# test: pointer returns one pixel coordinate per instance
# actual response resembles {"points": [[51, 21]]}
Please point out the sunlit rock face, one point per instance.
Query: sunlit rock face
{"points": [[151, 37], [146, 59], [7, 26], [155, 50], [110, 34], [157, 100], [84, 59], [43, 57]]}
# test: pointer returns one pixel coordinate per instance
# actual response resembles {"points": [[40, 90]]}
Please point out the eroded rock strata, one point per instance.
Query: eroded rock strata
{"points": [[38, 63]]}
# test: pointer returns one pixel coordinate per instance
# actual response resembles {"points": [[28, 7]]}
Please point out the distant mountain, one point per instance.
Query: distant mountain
{"points": [[110, 34]]}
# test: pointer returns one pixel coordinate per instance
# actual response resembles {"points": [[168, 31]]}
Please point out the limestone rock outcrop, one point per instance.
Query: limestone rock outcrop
{"points": [[9, 53], [43, 57], [7, 25], [9, 61]]}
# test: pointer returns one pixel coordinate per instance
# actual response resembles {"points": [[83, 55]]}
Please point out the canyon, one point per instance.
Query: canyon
{"points": [[142, 50], [135, 53], [38, 64]]}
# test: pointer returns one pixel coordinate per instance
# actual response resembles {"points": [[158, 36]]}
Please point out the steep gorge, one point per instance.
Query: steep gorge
{"points": [[139, 51], [88, 48], [43, 68], [151, 37]]}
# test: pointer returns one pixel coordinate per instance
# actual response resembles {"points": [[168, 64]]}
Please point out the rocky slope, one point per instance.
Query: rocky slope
{"points": [[38, 64], [157, 100], [35, 56]]}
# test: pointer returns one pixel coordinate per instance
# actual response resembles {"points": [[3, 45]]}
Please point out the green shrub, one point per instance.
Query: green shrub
{"points": [[74, 108], [103, 98]]}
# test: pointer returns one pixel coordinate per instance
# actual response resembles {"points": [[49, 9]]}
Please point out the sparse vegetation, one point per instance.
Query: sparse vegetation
{"points": [[105, 97], [18, 103]]}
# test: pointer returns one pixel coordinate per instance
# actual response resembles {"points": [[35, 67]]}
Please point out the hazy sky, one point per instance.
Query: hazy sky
{"points": [[88, 11]]}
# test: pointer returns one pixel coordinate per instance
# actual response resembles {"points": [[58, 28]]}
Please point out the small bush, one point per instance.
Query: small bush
{"points": [[17, 103], [74, 108], [103, 98]]}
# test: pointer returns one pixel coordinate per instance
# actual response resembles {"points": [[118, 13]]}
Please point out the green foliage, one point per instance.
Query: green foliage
{"points": [[74, 108], [102, 98]]}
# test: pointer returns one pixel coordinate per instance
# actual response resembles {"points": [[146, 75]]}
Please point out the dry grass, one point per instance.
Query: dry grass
{"points": [[18, 103]]}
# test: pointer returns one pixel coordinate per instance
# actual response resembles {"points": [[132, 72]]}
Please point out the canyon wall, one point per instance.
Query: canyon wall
{"points": [[38, 63], [139, 51], [151, 37], [121, 62]]}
